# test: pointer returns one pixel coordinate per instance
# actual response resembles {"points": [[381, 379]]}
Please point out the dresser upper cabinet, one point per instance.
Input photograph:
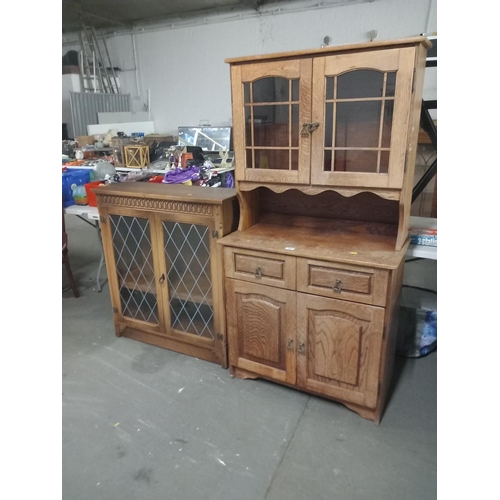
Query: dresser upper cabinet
{"points": [[325, 117]]}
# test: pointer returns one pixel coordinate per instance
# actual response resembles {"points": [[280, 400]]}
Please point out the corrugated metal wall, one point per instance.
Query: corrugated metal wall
{"points": [[85, 106]]}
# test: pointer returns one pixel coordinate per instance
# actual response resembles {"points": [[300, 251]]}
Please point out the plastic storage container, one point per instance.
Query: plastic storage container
{"points": [[417, 332], [91, 198], [78, 177]]}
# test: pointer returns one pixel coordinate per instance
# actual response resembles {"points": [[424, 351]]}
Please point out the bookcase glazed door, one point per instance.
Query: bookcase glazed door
{"points": [[271, 102], [135, 273], [187, 251], [363, 102]]}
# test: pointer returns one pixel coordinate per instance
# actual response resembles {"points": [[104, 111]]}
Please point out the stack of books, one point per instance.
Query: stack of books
{"points": [[423, 236]]}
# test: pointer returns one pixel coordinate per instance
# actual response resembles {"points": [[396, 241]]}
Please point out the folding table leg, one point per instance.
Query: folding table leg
{"points": [[101, 262]]}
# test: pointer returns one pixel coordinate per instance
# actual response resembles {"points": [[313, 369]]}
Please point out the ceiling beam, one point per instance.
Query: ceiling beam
{"points": [[126, 25], [76, 7], [253, 4]]}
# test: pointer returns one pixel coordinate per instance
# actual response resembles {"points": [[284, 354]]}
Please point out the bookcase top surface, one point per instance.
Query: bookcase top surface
{"points": [[178, 192]]}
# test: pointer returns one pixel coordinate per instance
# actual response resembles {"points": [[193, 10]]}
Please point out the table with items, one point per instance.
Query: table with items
{"points": [[124, 159]]}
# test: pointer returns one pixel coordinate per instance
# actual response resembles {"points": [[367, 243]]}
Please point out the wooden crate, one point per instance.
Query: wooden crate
{"points": [[136, 155]]}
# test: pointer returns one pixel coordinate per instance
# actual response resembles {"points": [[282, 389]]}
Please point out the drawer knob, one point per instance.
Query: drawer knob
{"points": [[257, 273], [336, 287], [301, 348], [289, 344]]}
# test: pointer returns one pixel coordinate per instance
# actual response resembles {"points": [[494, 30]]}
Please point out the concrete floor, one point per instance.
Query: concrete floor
{"points": [[142, 422]]}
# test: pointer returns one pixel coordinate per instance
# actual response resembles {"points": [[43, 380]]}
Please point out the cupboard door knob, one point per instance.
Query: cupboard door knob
{"points": [[257, 273], [301, 348], [289, 344], [336, 287], [162, 279]]}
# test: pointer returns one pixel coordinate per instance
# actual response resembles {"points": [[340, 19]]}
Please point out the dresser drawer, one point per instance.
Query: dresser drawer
{"points": [[260, 267], [340, 281]]}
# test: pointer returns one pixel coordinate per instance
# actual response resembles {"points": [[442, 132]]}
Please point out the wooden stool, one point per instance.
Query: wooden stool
{"points": [[136, 156]]}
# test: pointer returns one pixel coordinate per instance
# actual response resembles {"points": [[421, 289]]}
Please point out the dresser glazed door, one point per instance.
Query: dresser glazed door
{"points": [[362, 102], [338, 348], [271, 101]]}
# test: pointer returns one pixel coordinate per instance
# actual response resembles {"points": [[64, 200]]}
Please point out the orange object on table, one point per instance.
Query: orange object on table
{"points": [[91, 198], [74, 163], [156, 178], [184, 158]]}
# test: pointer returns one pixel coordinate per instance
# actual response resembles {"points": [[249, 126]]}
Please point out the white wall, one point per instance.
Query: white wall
{"points": [[183, 68]]}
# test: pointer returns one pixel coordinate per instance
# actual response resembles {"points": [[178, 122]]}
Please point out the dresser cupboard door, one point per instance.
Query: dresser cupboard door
{"points": [[261, 329], [338, 348], [271, 102], [363, 103]]}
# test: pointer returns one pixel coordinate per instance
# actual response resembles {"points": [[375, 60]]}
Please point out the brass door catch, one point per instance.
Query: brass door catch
{"points": [[308, 128]]}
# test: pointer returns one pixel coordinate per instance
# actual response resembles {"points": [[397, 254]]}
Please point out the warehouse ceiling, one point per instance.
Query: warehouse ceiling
{"points": [[116, 14]]}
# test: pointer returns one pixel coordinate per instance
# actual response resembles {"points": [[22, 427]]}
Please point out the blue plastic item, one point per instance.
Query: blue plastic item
{"points": [[429, 334], [77, 177], [417, 335]]}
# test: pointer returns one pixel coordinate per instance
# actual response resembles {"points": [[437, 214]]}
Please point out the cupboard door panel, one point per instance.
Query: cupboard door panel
{"points": [[339, 346], [260, 324], [261, 329], [336, 349]]}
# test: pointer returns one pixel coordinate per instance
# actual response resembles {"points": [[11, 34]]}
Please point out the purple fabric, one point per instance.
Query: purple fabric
{"points": [[180, 175]]}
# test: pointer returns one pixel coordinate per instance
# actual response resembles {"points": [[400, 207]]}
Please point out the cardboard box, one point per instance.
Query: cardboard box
{"points": [[84, 140]]}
